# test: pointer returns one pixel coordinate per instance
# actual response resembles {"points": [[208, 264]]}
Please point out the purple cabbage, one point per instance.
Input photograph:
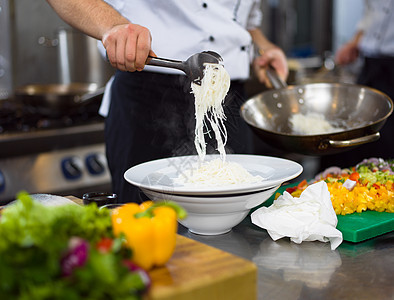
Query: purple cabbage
{"points": [[76, 255], [141, 272], [331, 170], [377, 164]]}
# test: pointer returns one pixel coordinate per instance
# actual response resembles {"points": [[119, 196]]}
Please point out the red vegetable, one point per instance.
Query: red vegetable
{"points": [[291, 189], [104, 245], [302, 184], [354, 176]]}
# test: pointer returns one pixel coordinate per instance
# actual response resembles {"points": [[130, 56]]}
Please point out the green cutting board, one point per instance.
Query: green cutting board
{"points": [[356, 227]]}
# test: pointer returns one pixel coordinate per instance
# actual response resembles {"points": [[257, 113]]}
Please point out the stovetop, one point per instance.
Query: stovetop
{"points": [[60, 154], [25, 130], [16, 118]]}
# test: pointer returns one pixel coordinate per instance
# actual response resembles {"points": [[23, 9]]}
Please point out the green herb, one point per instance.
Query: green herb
{"points": [[35, 238]]}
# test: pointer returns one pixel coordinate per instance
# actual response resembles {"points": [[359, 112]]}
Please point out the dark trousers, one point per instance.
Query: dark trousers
{"points": [[377, 73], [151, 116]]}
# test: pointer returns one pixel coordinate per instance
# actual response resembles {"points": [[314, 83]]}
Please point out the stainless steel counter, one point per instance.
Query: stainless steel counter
{"points": [[311, 270]]}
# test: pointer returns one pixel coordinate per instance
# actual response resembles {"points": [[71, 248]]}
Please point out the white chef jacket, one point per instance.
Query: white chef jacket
{"points": [[378, 26], [181, 28]]}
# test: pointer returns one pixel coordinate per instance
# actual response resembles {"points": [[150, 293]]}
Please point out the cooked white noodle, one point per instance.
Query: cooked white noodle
{"points": [[217, 173], [209, 97], [311, 124]]}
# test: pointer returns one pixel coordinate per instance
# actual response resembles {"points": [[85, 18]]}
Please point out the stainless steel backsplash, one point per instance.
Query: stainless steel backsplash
{"points": [[44, 49]]}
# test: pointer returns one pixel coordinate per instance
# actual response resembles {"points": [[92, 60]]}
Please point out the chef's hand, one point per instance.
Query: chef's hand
{"points": [[128, 46], [347, 54], [274, 57]]}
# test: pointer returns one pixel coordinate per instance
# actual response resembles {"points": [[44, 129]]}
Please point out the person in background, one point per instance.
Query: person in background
{"points": [[150, 113], [373, 42]]}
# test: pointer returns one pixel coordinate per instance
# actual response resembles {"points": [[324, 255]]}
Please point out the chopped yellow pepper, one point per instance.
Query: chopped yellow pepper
{"points": [[150, 230]]}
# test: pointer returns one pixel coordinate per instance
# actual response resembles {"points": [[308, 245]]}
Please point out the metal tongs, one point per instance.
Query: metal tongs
{"points": [[193, 66]]}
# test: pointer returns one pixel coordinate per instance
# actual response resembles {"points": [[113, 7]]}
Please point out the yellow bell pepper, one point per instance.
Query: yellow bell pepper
{"points": [[150, 230]]}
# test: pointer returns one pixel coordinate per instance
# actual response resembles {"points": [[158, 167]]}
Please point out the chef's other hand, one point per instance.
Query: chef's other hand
{"points": [[274, 57], [128, 46], [347, 54]]}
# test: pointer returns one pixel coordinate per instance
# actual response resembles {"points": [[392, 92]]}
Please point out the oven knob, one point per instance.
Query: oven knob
{"points": [[2, 182], [95, 163], [72, 167]]}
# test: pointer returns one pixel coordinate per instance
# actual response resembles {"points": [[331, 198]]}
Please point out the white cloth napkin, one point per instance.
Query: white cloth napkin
{"points": [[310, 217]]}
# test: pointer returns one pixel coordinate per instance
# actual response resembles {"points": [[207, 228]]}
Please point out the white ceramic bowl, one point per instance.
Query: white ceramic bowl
{"points": [[214, 214], [212, 209], [160, 175]]}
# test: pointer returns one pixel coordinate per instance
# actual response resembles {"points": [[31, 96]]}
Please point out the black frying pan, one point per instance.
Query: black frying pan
{"points": [[58, 98]]}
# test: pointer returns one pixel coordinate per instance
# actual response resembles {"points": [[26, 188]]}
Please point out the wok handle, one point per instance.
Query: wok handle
{"points": [[355, 142], [89, 96], [274, 78]]}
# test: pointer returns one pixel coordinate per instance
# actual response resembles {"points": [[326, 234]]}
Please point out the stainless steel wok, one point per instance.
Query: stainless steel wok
{"points": [[360, 111]]}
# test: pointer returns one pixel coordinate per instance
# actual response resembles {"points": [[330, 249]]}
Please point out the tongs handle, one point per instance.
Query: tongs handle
{"points": [[165, 62], [274, 78]]}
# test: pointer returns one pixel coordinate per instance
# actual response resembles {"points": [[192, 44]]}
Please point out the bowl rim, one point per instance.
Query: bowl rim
{"points": [[150, 175]]}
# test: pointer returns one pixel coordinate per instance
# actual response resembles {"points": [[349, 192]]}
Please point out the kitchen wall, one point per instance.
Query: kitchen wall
{"points": [[5, 50], [300, 27], [34, 39], [46, 50], [345, 18]]}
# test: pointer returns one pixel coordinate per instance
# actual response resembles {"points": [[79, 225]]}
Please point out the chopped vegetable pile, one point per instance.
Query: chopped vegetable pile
{"points": [[367, 186], [64, 252]]}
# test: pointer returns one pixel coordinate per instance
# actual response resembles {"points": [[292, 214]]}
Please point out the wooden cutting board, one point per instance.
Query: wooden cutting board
{"points": [[198, 271]]}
